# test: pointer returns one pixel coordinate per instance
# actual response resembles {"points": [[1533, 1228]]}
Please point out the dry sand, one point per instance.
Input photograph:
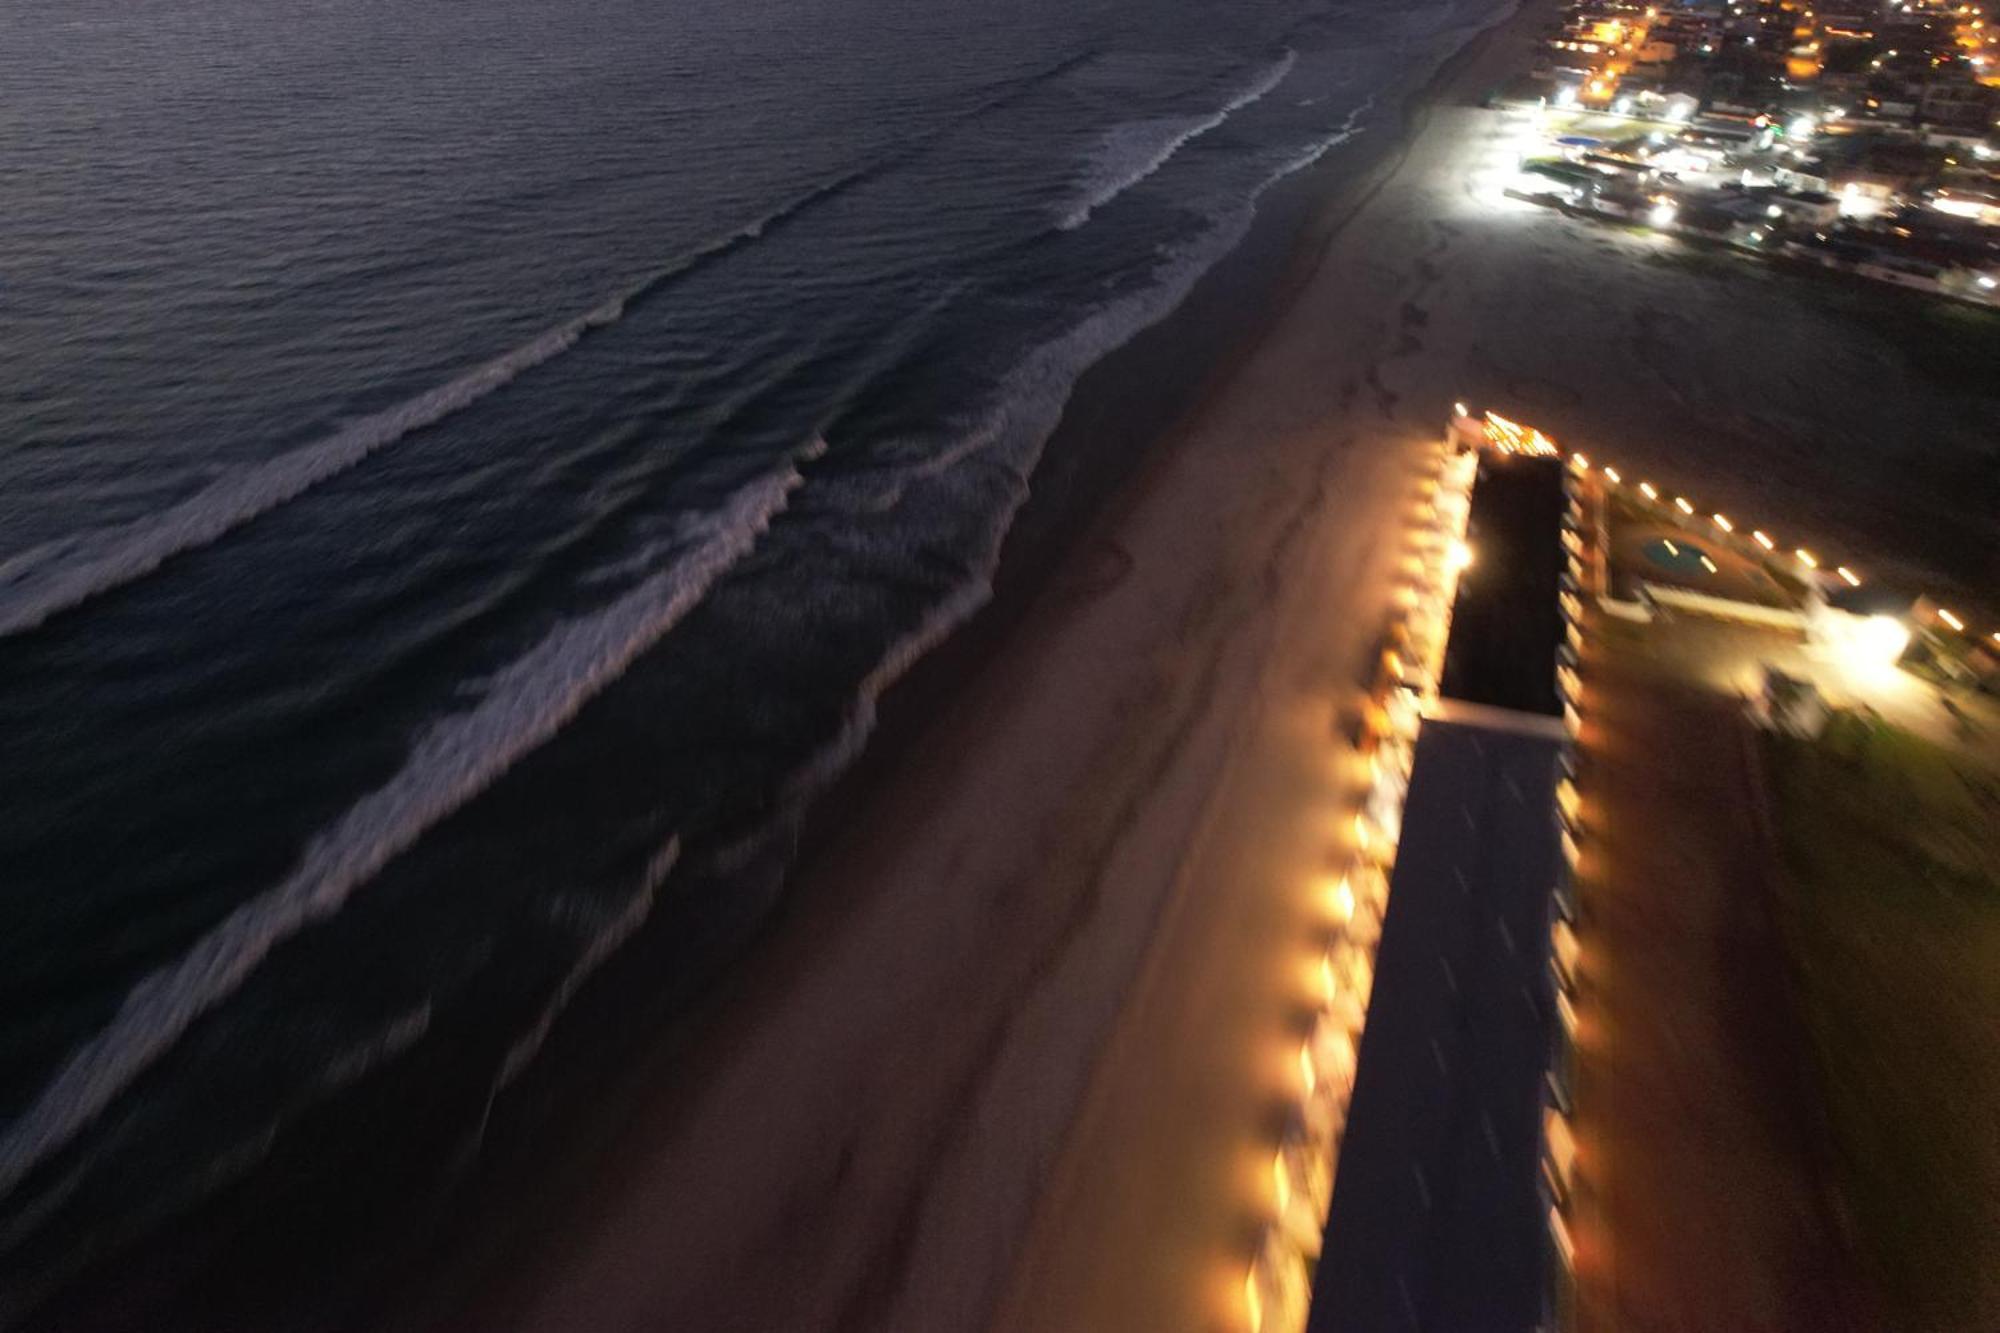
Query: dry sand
{"points": [[1016, 1041]]}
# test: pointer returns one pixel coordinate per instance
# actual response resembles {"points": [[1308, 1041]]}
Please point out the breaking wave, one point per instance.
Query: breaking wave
{"points": [[403, 1032], [58, 575], [523, 707], [1314, 152], [1009, 439], [54, 577], [601, 945], [1013, 434], [1131, 153]]}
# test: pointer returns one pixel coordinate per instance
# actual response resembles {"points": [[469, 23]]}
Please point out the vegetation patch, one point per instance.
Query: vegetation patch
{"points": [[1891, 915]]}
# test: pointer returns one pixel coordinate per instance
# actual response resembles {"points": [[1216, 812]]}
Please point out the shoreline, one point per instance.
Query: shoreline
{"points": [[1099, 455], [1100, 451]]}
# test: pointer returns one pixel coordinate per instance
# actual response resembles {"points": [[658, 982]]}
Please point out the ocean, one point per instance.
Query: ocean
{"points": [[467, 474]]}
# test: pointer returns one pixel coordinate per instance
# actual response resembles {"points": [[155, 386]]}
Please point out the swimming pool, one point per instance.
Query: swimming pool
{"points": [[1678, 556]]}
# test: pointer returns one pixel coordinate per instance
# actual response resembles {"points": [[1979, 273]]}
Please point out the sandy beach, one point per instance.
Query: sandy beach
{"points": [[1083, 877], [1010, 1053]]}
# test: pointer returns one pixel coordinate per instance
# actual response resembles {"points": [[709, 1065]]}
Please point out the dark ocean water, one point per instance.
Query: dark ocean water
{"points": [[466, 470]]}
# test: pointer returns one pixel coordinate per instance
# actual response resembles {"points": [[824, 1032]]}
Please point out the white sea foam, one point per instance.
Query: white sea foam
{"points": [[603, 942], [401, 1033], [397, 1036], [1013, 434], [1009, 439], [55, 576], [1314, 152], [1131, 153], [524, 705]]}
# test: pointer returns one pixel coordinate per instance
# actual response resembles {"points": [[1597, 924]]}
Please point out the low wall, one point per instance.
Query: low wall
{"points": [[1702, 604]]}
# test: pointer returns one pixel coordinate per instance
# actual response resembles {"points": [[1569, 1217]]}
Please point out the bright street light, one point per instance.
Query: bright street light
{"points": [[1875, 644]]}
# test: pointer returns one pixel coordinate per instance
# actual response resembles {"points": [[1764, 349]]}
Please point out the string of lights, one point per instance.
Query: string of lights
{"points": [[1276, 1288]]}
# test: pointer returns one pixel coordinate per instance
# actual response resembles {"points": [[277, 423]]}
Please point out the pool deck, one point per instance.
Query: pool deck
{"points": [[1634, 540]]}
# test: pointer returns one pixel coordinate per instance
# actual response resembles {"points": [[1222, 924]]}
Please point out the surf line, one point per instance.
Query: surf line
{"points": [[58, 575], [525, 705]]}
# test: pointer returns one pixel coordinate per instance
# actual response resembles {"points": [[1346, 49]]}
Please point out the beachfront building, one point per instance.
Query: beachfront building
{"points": [[1446, 1206]]}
